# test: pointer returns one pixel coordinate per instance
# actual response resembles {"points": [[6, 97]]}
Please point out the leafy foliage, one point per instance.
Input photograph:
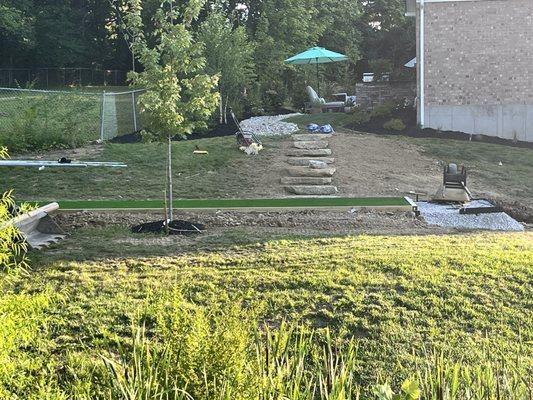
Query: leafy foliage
{"points": [[179, 98], [395, 124], [12, 247], [229, 54]]}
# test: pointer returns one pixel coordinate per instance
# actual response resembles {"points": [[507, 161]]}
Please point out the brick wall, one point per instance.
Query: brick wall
{"points": [[372, 94], [479, 52]]}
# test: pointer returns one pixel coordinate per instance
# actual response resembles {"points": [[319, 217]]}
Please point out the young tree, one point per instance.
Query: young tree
{"points": [[229, 53], [179, 97]]}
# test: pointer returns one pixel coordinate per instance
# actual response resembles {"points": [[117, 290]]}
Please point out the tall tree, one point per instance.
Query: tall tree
{"points": [[17, 33], [388, 34], [229, 54], [284, 28]]}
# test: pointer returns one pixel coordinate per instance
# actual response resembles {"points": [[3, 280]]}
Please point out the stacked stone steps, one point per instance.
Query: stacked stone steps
{"points": [[307, 145], [304, 161], [303, 177], [307, 171], [309, 152], [305, 180]]}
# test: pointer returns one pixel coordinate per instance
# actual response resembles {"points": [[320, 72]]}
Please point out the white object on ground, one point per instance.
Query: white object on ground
{"points": [[448, 216], [270, 125], [253, 149]]}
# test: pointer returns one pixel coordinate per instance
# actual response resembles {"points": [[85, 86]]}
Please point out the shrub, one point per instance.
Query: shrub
{"points": [[384, 110], [12, 248], [359, 116], [394, 124]]}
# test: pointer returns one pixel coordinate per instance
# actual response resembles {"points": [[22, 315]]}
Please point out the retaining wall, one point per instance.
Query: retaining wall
{"points": [[370, 95]]}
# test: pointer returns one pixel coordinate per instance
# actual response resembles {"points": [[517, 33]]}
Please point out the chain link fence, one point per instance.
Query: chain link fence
{"points": [[43, 119], [46, 78]]}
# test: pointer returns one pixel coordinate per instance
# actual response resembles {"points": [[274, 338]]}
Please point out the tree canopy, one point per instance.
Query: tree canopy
{"points": [[259, 35]]}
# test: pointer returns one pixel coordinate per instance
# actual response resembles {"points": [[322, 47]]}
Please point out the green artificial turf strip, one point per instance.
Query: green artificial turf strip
{"points": [[235, 203]]}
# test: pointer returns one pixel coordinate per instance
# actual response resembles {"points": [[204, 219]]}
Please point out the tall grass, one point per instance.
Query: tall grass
{"points": [[192, 354], [182, 351]]}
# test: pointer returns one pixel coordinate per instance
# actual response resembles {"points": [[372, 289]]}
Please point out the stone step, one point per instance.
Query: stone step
{"points": [[319, 144], [305, 180], [307, 190], [308, 153], [309, 136], [304, 161], [306, 171]]}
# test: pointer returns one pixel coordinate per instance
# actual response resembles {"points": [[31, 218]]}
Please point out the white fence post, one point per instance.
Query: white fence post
{"points": [[102, 116]]}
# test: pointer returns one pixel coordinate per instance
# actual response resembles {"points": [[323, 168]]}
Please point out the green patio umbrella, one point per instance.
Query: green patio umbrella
{"points": [[316, 55]]}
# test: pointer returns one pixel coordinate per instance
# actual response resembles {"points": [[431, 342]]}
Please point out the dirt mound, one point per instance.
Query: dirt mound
{"points": [[176, 227]]}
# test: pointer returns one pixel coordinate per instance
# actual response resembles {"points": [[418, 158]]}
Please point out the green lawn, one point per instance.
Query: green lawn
{"points": [[398, 298], [195, 176]]}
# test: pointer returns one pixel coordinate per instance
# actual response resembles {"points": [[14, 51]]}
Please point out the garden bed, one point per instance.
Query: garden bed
{"points": [[412, 129]]}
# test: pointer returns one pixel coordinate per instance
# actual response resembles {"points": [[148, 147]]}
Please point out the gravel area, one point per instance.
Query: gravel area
{"points": [[448, 216], [270, 125]]}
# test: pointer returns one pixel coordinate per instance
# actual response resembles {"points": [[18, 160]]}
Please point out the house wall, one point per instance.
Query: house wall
{"points": [[479, 67]]}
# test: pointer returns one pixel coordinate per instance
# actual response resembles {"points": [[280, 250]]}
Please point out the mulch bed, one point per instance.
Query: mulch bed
{"points": [[176, 227], [219, 130], [408, 116]]}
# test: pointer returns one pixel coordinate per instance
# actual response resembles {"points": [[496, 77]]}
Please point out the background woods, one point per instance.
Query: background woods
{"points": [[245, 41]]}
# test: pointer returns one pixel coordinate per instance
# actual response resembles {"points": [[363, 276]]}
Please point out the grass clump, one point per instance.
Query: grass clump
{"points": [[43, 121], [394, 124]]}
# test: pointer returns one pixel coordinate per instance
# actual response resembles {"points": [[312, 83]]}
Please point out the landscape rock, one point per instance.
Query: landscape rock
{"points": [[308, 153], [270, 125], [306, 171], [305, 137], [305, 180], [315, 164], [307, 190], [304, 161], [319, 144]]}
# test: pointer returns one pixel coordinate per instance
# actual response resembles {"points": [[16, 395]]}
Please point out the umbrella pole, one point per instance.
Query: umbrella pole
{"points": [[317, 77]]}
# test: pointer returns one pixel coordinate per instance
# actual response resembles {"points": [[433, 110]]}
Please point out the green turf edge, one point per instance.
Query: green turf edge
{"points": [[233, 203]]}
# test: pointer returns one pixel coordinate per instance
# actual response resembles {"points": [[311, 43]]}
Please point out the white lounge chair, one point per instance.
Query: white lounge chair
{"points": [[317, 104]]}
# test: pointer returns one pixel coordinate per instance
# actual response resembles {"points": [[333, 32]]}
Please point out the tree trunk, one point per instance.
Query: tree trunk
{"points": [[169, 180], [225, 110], [220, 107]]}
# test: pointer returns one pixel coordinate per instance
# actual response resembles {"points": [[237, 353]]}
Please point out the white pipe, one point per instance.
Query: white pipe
{"points": [[422, 66], [42, 163]]}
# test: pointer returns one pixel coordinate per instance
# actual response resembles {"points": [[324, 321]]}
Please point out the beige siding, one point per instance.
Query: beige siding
{"points": [[479, 52]]}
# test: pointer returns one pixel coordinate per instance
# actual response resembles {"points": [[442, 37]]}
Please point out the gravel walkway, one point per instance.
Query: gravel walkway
{"points": [[448, 216], [270, 125]]}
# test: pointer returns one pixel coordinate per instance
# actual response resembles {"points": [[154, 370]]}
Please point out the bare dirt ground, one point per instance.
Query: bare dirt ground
{"points": [[369, 165], [229, 228]]}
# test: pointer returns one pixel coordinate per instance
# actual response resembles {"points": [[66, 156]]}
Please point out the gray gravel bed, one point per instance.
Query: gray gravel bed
{"points": [[448, 216], [270, 125]]}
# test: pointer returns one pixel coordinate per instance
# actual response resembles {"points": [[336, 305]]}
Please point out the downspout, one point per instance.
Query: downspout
{"points": [[422, 66]]}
